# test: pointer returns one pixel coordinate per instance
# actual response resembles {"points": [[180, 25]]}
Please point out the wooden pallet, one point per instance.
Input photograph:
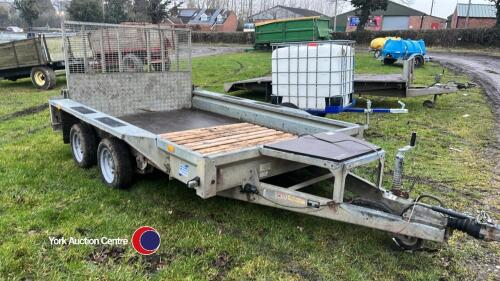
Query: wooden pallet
{"points": [[226, 138]]}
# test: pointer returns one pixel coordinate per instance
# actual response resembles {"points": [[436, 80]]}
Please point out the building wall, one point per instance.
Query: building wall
{"points": [[229, 25], [475, 22], [428, 22], [414, 23], [454, 19]]}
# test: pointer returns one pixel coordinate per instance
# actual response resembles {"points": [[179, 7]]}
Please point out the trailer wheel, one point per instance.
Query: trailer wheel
{"points": [[83, 145], [43, 77], [419, 61], [428, 103], [131, 63], [408, 243], [289, 105], [157, 66], [388, 61], [115, 163]]}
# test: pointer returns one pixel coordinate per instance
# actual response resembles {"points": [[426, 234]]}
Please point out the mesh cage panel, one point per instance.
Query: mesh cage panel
{"points": [[126, 69], [105, 48]]}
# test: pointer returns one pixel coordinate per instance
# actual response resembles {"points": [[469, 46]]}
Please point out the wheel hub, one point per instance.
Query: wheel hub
{"points": [[40, 78], [107, 165], [76, 145]]}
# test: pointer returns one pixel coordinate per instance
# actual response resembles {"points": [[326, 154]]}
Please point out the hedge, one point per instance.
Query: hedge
{"points": [[223, 37], [439, 38]]}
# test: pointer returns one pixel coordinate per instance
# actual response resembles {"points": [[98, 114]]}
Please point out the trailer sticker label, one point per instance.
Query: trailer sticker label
{"points": [[183, 170], [290, 198], [264, 169], [170, 148]]}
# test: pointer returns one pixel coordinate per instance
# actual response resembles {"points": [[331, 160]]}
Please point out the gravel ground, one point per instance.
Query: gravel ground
{"points": [[201, 50]]}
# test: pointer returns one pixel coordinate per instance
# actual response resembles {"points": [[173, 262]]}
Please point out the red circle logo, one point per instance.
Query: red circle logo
{"points": [[146, 240]]}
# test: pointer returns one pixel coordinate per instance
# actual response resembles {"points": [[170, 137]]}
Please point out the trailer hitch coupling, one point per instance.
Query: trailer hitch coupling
{"points": [[486, 231]]}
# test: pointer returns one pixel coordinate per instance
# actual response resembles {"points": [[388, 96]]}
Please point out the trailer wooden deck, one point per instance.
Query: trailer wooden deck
{"points": [[205, 132], [226, 138]]}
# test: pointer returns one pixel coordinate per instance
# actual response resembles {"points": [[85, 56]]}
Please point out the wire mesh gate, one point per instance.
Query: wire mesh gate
{"points": [[124, 69]]}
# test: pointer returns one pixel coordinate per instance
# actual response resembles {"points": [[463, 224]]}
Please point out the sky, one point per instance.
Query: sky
{"points": [[442, 8]]}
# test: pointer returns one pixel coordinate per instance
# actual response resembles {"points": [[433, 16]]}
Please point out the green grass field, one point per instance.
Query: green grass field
{"points": [[42, 194]]}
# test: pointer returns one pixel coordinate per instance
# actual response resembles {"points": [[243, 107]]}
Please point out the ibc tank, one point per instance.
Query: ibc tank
{"points": [[313, 75]]}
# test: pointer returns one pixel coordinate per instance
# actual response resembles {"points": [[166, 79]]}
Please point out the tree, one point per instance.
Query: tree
{"points": [[140, 10], [366, 7], [117, 11], [47, 16], [157, 10], [497, 5], [85, 10], [4, 16], [28, 9]]}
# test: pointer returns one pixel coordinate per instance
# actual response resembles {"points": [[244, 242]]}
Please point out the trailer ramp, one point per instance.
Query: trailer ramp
{"points": [[328, 146]]}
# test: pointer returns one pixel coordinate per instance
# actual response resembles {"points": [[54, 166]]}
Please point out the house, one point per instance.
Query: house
{"points": [[220, 20], [480, 15], [283, 12], [395, 17]]}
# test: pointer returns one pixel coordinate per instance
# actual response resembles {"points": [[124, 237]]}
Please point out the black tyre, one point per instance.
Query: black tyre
{"points": [[408, 243], [289, 104], [419, 61], [83, 145], [157, 66], [131, 63], [43, 77], [388, 61], [428, 103], [115, 163]]}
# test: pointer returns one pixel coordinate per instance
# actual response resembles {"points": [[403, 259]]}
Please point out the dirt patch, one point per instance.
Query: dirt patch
{"points": [[303, 272], [155, 262], [106, 254], [223, 263], [203, 50], [24, 112]]}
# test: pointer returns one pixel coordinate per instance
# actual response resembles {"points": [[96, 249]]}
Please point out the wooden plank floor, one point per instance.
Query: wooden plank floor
{"points": [[226, 138]]}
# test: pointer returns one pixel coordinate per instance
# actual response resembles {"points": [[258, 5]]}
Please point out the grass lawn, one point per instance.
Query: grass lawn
{"points": [[42, 194]]}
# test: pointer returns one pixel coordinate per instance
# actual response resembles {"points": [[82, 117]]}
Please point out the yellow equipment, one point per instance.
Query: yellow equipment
{"points": [[378, 43]]}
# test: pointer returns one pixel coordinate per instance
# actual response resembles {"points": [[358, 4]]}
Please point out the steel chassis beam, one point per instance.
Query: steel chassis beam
{"points": [[301, 202]]}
